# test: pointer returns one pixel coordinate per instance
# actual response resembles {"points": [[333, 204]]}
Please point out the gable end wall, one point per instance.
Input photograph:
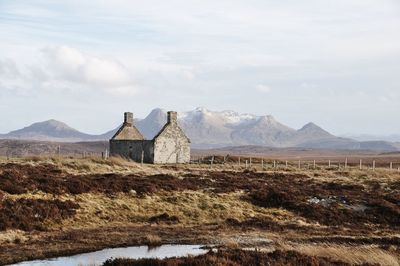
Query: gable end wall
{"points": [[171, 146]]}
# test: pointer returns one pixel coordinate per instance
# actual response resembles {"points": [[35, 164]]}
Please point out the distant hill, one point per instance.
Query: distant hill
{"points": [[50, 130], [210, 129]]}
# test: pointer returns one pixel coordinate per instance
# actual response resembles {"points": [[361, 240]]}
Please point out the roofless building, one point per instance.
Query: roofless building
{"points": [[170, 145]]}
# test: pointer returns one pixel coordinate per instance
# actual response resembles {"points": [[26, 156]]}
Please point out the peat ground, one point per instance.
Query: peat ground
{"points": [[46, 211]]}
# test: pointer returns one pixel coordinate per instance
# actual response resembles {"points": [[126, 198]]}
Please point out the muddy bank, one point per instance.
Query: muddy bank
{"points": [[42, 245], [233, 257], [50, 244]]}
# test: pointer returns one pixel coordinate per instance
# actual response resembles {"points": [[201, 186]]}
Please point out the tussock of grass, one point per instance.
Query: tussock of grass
{"points": [[355, 255], [13, 236], [80, 165], [97, 165], [153, 240], [190, 207]]}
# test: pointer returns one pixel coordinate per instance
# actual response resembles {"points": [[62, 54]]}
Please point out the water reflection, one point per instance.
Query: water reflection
{"points": [[98, 257]]}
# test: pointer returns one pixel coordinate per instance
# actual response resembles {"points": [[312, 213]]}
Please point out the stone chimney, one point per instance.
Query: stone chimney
{"points": [[128, 119], [172, 117]]}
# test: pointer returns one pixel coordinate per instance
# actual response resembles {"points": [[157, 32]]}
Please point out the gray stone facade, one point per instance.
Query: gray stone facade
{"points": [[170, 145]]}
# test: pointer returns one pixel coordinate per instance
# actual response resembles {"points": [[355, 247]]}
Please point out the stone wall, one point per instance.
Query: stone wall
{"points": [[132, 149], [171, 150], [171, 145]]}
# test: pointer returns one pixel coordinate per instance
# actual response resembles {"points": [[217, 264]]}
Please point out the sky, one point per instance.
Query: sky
{"points": [[332, 62]]}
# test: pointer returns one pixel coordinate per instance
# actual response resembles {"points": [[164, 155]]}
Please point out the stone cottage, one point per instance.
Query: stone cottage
{"points": [[170, 145]]}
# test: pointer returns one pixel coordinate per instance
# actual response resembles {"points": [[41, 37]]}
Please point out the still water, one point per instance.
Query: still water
{"points": [[98, 257]]}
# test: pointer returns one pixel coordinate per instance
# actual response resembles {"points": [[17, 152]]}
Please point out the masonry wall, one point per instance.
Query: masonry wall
{"points": [[171, 146], [132, 149]]}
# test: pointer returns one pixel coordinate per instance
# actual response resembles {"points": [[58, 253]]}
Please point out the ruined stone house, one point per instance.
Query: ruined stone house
{"points": [[170, 145]]}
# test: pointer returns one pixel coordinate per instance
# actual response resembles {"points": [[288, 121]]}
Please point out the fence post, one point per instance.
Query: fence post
{"points": [[286, 164], [314, 164], [391, 166], [274, 164], [345, 163], [142, 158], [246, 164], [212, 162], [239, 161], [299, 164], [373, 165], [250, 162], [262, 164], [360, 164], [329, 164]]}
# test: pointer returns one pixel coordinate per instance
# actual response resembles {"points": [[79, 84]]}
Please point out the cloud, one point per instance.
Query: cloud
{"points": [[12, 79], [65, 68], [8, 68], [72, 65], [263, 88]]}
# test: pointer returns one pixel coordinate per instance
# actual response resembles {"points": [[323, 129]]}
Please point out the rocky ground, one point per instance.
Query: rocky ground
{"points": [[53, 207]]}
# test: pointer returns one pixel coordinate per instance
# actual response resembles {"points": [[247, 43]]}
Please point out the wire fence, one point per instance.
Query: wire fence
{"points": [[256, 162], [247, 162]]}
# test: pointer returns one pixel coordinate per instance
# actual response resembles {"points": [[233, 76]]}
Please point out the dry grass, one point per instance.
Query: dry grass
{"points": [[96, 165], [190, 207], [355, 255], [153, 240], [80, 165], [13, 236], [92, 165]]}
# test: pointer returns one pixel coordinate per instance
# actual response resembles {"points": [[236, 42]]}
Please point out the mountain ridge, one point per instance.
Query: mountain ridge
{"points": [[211, 129]]}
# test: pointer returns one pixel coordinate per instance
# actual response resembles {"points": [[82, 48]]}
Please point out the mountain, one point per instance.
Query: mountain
{"points": [[264, 130], [50, 130], [153, 123], [314, 131], [210, 129]]}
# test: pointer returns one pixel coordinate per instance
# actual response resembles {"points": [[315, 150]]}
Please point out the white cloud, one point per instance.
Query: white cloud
{"points": [[64, 67], [8, 68], [75, 66], [12, 79], [263, 88]]}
